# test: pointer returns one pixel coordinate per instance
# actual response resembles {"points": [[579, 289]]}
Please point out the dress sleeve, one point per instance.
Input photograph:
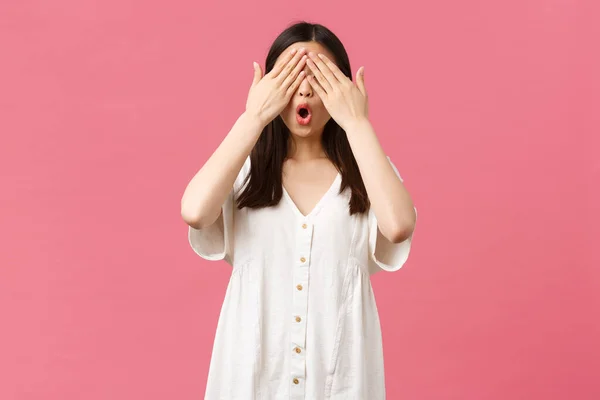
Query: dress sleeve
{"points": [[385, 255], [216, 242]]}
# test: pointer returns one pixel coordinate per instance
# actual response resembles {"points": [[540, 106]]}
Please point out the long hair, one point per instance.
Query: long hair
{"points": [[264, 182]]}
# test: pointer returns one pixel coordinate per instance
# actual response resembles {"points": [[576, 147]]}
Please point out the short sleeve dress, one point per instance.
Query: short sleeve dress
{"points": [[299, 319]]}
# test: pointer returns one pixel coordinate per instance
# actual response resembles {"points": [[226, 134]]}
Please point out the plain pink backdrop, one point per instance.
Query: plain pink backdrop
{"points": [[488, 108]]}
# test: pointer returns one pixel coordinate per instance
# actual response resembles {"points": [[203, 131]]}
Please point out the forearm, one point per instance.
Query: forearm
{"points": [[390, 200], [207, 190]]}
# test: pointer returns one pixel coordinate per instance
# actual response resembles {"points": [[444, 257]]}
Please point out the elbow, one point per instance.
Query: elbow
{"points": [[197, 221], [401, 231], [198, 214], [193, 217], [400, 234]]}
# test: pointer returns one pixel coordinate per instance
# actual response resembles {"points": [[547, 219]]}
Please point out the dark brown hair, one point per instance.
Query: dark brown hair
{"points": [[264, 182]]}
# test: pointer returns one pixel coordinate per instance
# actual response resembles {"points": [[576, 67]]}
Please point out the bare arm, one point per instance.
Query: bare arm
{"points": [[269, 94], [347, 103], [390, 200], [205, 193]]}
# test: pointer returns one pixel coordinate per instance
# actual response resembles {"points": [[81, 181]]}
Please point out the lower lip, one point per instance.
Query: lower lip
{"points": [[305, 120]]}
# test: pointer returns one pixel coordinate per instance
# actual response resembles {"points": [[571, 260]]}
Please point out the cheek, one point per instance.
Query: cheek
{"points": [[288, 111], [320, 110]]}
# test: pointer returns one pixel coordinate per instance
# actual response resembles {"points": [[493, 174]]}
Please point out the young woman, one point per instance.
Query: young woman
{"points": [[304, 204]]}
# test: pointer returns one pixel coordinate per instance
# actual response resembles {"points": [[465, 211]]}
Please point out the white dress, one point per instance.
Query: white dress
{"points": [[299, 319]]}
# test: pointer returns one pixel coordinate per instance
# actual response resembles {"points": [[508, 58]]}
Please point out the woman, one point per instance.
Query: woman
{"points": [[304, 204]]}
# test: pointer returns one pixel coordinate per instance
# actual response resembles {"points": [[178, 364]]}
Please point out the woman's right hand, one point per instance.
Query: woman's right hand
{"points": [[270, 94]]}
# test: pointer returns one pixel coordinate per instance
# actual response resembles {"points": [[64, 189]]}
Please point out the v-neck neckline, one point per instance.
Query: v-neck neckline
{"points": [[317, 206]]}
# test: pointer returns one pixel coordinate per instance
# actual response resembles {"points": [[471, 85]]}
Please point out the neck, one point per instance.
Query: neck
{"points": [[305, 148]]}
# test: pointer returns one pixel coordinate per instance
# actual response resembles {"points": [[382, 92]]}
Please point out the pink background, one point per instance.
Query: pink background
{"points": [[489, 110]]}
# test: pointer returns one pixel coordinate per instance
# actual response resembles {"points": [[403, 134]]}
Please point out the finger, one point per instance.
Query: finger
{"points": [[324, 69], [287, 70], [282, 63], [294, 74], [257, 74], [294, 86], [334, 69], [360, 81], [319, 77], [317, 87]]}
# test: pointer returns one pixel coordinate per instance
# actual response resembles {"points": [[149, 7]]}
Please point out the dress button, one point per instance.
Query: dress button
{"points": [[298, 350], [299, 287], [302, 259], [296, 381], [298, 319], [304, 226]]}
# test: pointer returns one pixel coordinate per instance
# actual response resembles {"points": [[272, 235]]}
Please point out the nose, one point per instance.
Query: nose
{"points": [[305, 90]]}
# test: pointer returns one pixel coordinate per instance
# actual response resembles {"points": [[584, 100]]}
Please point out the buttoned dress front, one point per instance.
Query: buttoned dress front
{"points": [[299, 319]]}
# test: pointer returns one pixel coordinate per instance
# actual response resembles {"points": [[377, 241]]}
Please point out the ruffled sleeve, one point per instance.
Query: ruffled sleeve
{"points": [[383, 254], [216, 242]]}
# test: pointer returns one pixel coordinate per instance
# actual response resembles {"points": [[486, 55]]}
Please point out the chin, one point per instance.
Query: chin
{"points": [[304, 131]]}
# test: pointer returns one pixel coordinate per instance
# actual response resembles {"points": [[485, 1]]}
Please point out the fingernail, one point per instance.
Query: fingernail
{"points": [[293, 51]]}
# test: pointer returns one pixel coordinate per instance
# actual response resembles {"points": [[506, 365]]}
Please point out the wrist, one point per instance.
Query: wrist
{"points": [[357, 125], [254, 120]]}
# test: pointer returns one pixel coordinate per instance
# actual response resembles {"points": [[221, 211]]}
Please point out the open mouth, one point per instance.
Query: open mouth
{"points": [[303, 114]]}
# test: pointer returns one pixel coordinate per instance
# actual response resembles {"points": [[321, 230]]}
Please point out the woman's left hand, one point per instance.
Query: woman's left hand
{"points": [[345, 101]]}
